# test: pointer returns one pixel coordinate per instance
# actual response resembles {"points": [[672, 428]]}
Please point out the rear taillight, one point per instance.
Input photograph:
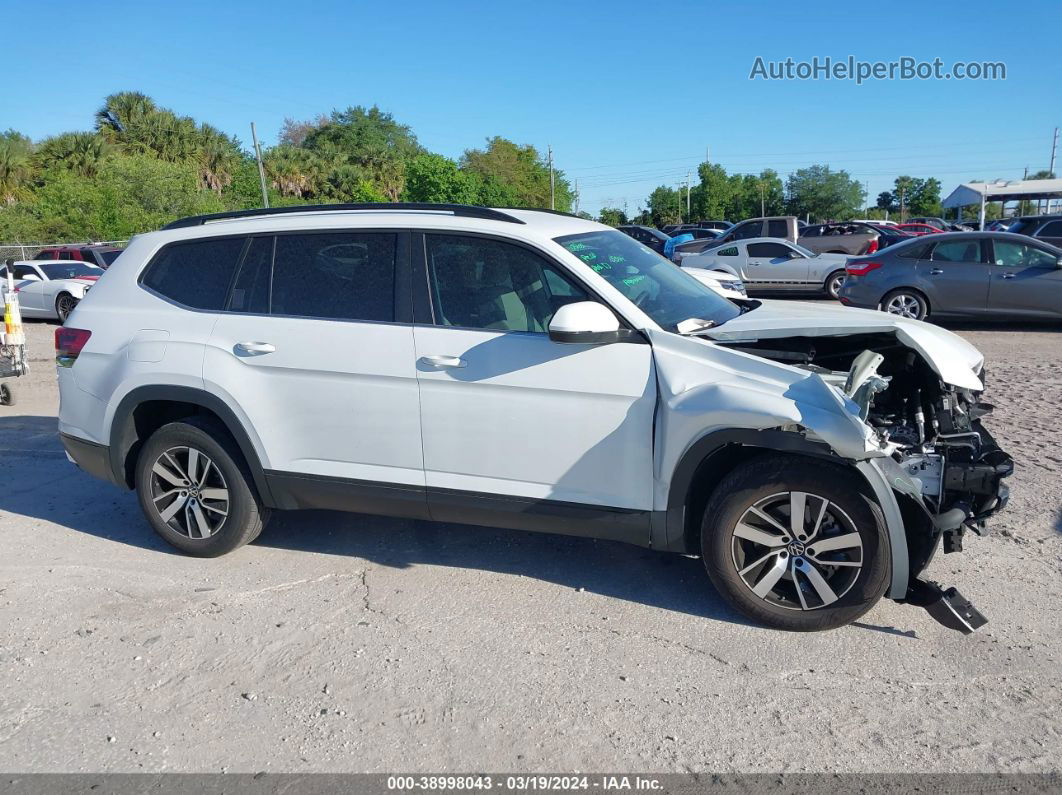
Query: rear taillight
{"points": [[68, 344], [861, 268], [873, 246]]}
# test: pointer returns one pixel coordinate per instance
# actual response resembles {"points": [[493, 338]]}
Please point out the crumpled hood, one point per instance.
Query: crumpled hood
{"points": [[956, 361]]}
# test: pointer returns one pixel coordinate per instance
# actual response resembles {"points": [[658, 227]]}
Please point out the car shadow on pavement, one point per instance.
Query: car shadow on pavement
{"points": [[613, 569], [38, 482]]}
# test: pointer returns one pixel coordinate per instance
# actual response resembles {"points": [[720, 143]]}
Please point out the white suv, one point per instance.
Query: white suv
{"points": [[530, 370]]}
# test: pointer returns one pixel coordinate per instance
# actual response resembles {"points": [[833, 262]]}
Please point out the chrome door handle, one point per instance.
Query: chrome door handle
{"points": [[936, 272], [442, 362], [1008, 275], [253, 348]]}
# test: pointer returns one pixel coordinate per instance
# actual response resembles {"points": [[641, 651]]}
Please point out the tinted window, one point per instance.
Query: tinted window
{"points": [[1018, 255], [957, 251], [488, 284], [1053, 229], [917, 251], [251, 291], [196, 273], [110, 256], [71, 271], [811, 231], [768, 250], [777, 228], [746, 230], [23, 271], [731, 251], [340, 276]]}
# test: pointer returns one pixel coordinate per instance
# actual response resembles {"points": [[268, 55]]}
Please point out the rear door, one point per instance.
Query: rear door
{"points": [[956, 275], [316, 347], [1025, 281], [517, 427], [776, 266]]}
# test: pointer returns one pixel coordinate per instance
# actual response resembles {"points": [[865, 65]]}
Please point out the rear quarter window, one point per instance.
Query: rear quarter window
{"points": [[196, 273]]}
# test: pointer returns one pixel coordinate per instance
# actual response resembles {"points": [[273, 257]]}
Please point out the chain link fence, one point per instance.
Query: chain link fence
{"points": [[23, 251]]}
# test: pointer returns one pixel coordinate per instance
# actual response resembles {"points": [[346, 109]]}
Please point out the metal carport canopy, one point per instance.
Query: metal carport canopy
{"points": [[1004, 191]]}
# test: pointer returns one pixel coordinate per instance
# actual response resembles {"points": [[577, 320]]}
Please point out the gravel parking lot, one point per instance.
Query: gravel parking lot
{"points": [[348, 643]]}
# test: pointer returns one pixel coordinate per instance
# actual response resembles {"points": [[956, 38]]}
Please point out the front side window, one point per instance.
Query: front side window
{"points": [[489, 284], [665, 293], [957, 251], [71, 271], [195, 273], [335, 276], [1019, 255], [768, 250], [746, 230]]}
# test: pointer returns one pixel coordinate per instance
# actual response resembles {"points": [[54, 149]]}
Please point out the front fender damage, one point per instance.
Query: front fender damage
{"points": [[913, 438]]}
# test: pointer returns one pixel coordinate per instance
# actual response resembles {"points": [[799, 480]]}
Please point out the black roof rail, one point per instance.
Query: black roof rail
{"points": [[543, 210], [461, 210]]}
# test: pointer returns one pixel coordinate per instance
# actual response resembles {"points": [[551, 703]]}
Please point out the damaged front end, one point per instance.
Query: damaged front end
{"points": [[946, 469]]}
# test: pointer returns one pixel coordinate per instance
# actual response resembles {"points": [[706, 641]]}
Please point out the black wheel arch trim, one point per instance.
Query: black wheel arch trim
{"points": [[124, 435]]}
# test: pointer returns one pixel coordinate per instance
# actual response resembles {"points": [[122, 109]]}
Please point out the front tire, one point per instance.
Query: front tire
{"points": [[906, 303], [196, 490], [795, 544]]}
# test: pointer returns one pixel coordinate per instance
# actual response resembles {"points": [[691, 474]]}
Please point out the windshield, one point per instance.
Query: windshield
{"points": [[664, 292], [807, 252], [70, 270]]}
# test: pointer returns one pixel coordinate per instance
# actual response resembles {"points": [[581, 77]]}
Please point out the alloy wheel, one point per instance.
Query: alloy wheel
{"points": [[65, 306], [904, 305], [834, 287], [797, 550], [189, 492]]}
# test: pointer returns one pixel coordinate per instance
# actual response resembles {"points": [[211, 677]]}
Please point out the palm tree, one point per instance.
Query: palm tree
{"points": [[219, 156], [121, 111], [293, 171], [79, 152], [15, 166]]}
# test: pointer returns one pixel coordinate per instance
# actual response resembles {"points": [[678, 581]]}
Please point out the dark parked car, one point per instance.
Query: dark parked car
{"points": [[96, 255], [721, 226], [981, 275], [1047, 228], [653, 238]]}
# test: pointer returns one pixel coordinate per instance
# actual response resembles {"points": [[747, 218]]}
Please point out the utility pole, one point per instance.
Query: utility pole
{"points": [[576, 197], [688, 175], [552, 200], [762, 211], [902, 191], [1051, 168], [261, 168], [866, 192]]}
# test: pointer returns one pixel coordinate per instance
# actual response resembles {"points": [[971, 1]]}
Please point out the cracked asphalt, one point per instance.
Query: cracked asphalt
{"points": [[350, 643]]}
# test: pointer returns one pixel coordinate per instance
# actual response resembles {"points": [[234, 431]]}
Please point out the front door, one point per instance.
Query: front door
{"points": [[955, 276], [775, 266], [551, 434], [1026, 281]]}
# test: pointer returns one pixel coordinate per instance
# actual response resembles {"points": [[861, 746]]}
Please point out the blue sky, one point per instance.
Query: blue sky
{"points": [[630, 95]]}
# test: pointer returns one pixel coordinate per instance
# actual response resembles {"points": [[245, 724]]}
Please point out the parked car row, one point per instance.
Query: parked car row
{"points": [[49, 288], [99, 255]]}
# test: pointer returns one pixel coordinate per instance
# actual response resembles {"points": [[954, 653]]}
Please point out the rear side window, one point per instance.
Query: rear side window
{"points": [[1053, 229], [917, 251], [777, 229], [196, 273], [337, 276], [746, 230], [728, 252]]}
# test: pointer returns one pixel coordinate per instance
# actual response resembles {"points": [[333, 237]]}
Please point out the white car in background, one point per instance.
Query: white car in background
{"points": [[769, 265], [724, 283], [50, 288]]}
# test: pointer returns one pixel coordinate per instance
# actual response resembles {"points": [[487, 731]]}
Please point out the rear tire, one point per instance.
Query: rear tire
{"points": [[820, 572], [906, 302], [833, 284], [7, 395], [196, 489], [64, 305]]}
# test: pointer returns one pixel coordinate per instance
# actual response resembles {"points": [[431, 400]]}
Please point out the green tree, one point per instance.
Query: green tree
{"points": [[293, 171], [434, 178], [15, 166], [665, 206], [520, 172], [713, 197], [925, 198], [823, 194], [612, 216], [82, 153], [219, 156]]}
